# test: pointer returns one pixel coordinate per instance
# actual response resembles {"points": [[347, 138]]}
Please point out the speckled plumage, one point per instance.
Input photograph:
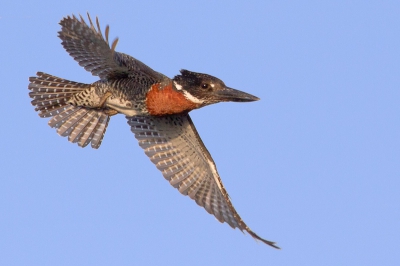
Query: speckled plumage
{"points": [[82, 112], [125, 77]]}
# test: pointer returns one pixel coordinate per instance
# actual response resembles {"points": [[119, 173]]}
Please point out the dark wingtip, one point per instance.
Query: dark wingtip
{"points": [[270, 243], [256, 237]]}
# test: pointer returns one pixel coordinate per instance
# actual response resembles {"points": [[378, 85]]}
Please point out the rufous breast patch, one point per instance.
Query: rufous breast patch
{"points": [[167, 101]]}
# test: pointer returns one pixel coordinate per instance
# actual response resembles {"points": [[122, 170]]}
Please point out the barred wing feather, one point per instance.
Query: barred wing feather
{"points": [[174, 146], [92, 51]]}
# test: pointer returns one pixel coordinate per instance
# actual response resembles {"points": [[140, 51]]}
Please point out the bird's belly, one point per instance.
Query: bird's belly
{"points": [[122, 106]]}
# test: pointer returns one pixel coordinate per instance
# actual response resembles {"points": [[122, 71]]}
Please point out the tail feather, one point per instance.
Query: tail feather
{"points": [[86, 137], [49, 81], [39, 95], [51, 111], [66, 128], [50, 95], [79, 129], [95, 131], [49, 101], [59, 119], [100, 130], [38, 90]]}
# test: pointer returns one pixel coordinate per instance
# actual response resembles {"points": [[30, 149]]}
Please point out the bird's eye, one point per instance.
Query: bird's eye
{"points": [[204, 86]]}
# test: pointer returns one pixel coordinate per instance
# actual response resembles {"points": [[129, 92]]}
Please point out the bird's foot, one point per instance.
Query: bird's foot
{"points": [[110, 112], [104, 99]]}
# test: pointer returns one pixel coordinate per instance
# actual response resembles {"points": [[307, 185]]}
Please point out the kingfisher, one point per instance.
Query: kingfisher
{"points": [[156, 107]]}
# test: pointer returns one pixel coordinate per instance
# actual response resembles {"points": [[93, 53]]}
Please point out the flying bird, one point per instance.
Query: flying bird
{"points": [[155, 106]]}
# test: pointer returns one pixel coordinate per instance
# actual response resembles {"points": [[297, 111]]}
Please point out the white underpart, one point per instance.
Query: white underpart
{"points": [[187, 95], [122, 106]]}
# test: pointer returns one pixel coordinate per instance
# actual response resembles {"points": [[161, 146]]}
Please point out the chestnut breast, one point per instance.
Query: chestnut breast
{"points": [[166, 100]]}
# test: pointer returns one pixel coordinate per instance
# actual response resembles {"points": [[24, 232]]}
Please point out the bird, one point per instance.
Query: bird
{"points": [[156, 107]]}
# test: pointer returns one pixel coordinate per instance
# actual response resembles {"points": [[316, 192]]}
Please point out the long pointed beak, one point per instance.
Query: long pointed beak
{"points": [[232, 95]]}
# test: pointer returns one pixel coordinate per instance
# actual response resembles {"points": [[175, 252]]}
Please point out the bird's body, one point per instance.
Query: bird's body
{"points": [[156, 107]]}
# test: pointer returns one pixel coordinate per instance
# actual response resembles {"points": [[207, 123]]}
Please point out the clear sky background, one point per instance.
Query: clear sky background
{"points": [[313, 166]]}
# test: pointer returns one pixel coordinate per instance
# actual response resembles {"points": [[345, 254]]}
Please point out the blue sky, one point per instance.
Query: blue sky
{"points": [[313, 166]]}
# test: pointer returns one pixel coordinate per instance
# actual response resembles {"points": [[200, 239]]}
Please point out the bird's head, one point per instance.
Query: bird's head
{"points": [[205, 89]]}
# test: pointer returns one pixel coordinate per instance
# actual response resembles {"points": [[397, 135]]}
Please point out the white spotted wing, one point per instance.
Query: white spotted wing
{"points": [[174, 146]]}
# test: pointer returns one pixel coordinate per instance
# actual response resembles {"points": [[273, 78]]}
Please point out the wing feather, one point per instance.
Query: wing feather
{"points": [[174, 146], [87, 45]]}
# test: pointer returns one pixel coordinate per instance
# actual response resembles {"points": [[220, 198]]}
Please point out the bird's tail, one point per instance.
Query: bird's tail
{"points": [[50, 97]]}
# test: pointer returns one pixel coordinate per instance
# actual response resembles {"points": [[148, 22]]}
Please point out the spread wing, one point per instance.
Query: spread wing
{"points": [[91, 50], [174, 146]]}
